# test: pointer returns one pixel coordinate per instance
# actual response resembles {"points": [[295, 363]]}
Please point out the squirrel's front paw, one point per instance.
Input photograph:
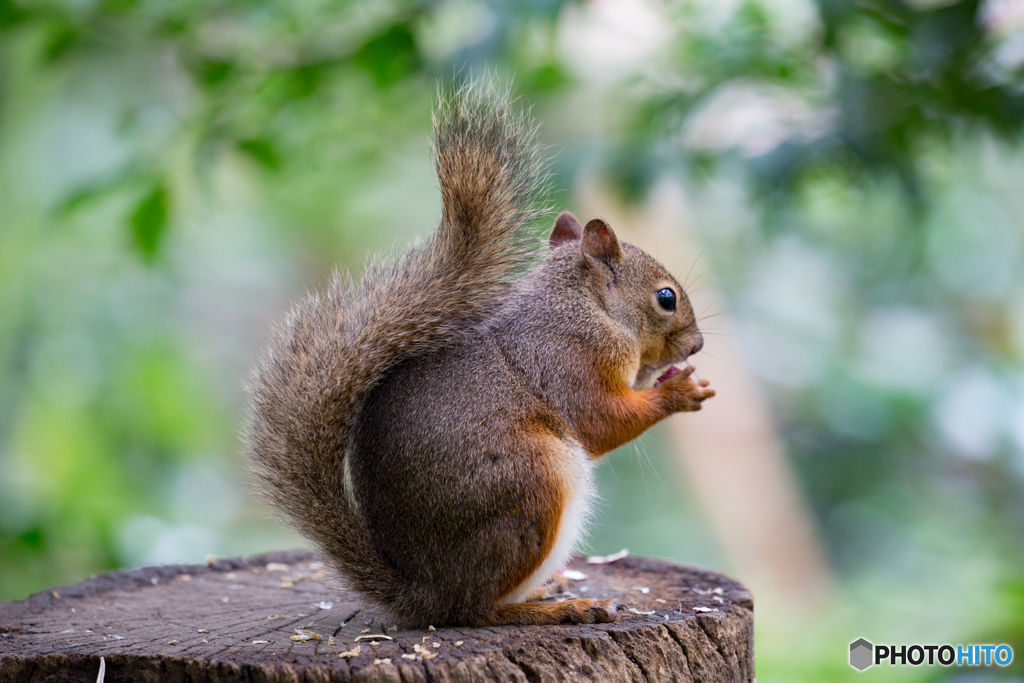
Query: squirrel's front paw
{"points": [[683, 392]]}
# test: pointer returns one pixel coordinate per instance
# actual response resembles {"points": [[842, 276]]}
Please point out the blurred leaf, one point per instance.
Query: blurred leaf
{"points": [[546, 77], [262, 151], [211, 73], [63, 36], [11, 14], [150, 220], [95, 191], [33, 538], [306, 79], [390, 56]]}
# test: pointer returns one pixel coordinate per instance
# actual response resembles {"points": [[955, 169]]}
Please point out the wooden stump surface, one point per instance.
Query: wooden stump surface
{"points": [[249, 619]]}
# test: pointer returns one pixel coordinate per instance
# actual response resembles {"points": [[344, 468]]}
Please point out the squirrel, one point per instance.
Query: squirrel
{"points": [[434, 428]]}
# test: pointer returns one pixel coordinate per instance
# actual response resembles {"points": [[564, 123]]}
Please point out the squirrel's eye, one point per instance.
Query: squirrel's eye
{"points": [[666, 299]]}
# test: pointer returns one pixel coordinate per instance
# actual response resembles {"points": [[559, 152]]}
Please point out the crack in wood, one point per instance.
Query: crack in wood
{"points": [[714, 641]]}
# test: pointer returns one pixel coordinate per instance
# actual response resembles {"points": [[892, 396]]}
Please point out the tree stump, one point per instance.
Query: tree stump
{"points": [[283, 617]]}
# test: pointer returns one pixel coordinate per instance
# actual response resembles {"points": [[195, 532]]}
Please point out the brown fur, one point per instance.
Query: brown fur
{"points": [[420, 427]]}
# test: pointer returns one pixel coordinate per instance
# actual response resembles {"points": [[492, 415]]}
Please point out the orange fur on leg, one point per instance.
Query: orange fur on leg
{"points": [[583, 611]]}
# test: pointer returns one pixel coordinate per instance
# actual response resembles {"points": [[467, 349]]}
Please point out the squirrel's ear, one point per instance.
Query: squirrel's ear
{"points": [[566, 229], [601, 243]]}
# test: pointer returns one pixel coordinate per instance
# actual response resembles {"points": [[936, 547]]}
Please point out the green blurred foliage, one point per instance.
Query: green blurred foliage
{"points": [[171, 174]]}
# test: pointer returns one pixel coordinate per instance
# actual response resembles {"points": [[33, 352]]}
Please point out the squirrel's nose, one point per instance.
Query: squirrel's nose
{"points": [[698, 344]]}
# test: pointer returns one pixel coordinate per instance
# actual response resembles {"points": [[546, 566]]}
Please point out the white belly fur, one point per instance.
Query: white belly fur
{"points": [[576, 469]]}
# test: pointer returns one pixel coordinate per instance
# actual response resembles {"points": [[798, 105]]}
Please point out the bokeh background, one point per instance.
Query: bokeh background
{"points": [[840, 184]]}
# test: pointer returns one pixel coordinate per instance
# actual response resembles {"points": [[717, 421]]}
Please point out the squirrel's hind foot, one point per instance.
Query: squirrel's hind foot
{"points": [[583, 611]]}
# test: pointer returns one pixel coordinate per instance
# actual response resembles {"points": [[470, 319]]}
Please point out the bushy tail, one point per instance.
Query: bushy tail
{"points": [[307, 390]]}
